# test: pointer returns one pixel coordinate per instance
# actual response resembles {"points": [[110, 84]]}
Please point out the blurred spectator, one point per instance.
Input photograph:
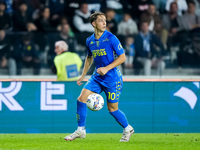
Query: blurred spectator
{"points": [[9, 9], [118, 7], [149, 51], [57, 8], [81, 25], [22, 19], [44, 26], [33, 6], [129, 51], [161, 33], [5, 49], [138, 7], [111, 24], [81, 19], [129, 48], [5, 20], [182, 5], [162, 6], [127, 26], [26, 55], [151, 16], [71, 7], [155, 23], [157, 4], [173, 23], [64, 20], [196, 47], [190, 55], [67, 64], [64, 35], [44, 23], [191, 20], [197, 3], [96, 5]]}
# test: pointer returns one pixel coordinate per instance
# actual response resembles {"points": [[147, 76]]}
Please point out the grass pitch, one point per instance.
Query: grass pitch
{"points": [[100, 142]]}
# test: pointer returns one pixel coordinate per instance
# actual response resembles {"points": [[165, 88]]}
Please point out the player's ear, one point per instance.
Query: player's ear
{"points": [[93, 24]]}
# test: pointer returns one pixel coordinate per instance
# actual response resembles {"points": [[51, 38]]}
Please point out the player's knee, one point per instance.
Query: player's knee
{"points": [[81, 99], [112, 108]]}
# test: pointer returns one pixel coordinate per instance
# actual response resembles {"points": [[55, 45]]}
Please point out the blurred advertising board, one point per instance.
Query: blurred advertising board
{"points": [[50, 107]]}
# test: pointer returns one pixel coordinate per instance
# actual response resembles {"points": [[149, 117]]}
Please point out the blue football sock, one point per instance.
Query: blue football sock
{"points": [[81, 113], [120, 118]]}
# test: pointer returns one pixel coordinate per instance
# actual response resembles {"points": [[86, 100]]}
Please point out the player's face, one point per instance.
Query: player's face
{"points": [[100, 23], [58, 50]]}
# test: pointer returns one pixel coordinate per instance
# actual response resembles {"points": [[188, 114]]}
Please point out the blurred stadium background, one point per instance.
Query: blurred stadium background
{"points": [[29, 29]]}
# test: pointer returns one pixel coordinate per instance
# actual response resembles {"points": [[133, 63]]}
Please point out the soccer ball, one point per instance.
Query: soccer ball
{"points": [[95, 102]]}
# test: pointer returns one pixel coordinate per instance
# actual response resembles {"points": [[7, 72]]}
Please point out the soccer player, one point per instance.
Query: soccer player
{"points": [[106, 51]]}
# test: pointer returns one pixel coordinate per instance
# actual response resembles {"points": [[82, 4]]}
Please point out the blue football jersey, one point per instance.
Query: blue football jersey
{"points": [[104, 51]]}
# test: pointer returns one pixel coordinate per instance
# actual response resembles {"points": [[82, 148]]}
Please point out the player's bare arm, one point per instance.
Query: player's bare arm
{"points": [[88, 63], [103, 70]]}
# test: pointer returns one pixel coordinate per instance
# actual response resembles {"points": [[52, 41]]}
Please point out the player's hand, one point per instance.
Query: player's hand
{"points": [[102, 71], [79, 80]]}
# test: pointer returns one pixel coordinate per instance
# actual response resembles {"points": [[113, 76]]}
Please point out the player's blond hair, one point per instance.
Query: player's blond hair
{"points": [[62, 44]]}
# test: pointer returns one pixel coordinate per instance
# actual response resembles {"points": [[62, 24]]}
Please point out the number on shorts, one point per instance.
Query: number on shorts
{"points": [[111, 96]]}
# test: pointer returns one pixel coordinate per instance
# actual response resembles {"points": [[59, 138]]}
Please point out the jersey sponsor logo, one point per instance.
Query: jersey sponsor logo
{"points": [[106, 40], [120, 46], [97, 42], [99, 52]]}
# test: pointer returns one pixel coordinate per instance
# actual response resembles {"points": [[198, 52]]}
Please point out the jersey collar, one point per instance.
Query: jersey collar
{"points": [[103, 35]]}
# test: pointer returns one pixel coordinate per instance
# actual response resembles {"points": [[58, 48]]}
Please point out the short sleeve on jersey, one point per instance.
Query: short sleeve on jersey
{"points": [[117, 46], [89, 53]]}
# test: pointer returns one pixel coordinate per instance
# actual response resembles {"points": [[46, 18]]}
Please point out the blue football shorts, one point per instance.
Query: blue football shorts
{"points": [[112, 91]]}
